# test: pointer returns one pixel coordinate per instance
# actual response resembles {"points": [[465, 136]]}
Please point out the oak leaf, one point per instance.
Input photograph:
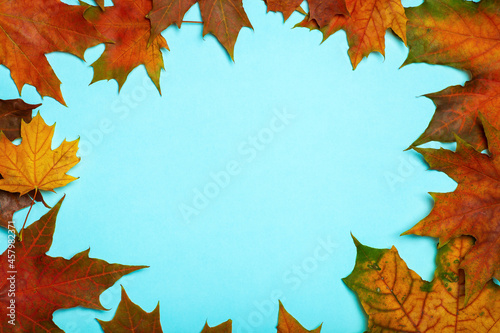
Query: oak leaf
{"points": [[224, 19], [33, 165], [288, 324], [126, 25], [472, 209], [31, 29], [45, 284], [464, 35], [129, 317], [365, 26], [396, 299]]}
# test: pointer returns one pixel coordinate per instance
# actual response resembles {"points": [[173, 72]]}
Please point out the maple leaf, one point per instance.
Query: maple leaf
{"points": [[464, 35], [33, 165], [224, 19], [126, 24], [31, 29], [396, 299], [12, 111], [472, 209], [288, 324], [365, 26], [129, 317], [320, 11], [45, 284], [9, 204], [225, 327]]}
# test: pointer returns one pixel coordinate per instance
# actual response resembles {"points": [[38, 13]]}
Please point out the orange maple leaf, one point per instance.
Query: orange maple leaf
{"points": [[31, 29], [472, 209], [33, 165], [223, 19], [288, 324], [126, 25], [396, 299], [464, 35], [365, 26]]}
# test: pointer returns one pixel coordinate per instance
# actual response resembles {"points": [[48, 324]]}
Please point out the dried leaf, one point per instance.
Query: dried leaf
{"points": [[288, 324], [223, 19], [365, 27], [464, 35], [33, 165], [12, 111], [472, 209], [31, 29], [45, 284], [129, 317], [396, 299], [126, 25], [225, 327]]}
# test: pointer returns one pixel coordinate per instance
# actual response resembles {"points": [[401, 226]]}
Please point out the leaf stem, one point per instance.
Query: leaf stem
{"points": [[195, 22], [26, 219]]}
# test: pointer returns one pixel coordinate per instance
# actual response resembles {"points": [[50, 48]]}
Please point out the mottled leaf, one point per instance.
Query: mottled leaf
{"points": [[396, 299], [288, 324], [365, 27], [464, 35], [126, 25], [472, 209]]}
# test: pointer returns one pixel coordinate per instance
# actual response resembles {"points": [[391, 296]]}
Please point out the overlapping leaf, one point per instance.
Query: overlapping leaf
{"points": [[31, 29], [33, 165], [223, 19], [396, 299], [12, 112], [464, 35], [472, 209], [44, 284], [319, 11], [126, 25], [365, 26]]}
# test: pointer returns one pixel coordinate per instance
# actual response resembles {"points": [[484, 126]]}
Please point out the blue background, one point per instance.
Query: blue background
{"points": [[337, 167]]}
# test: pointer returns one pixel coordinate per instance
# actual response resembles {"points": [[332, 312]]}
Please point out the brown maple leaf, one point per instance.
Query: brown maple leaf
{"points": [[224, 19], [44, 284], [12, 111], [396, 299], [472, 209], [365, 26], [225, 327], [29, 29], [126, 25], [288, 324], [320, 11], [33, 165], [9, 204], [129, 317], [464, 35]]}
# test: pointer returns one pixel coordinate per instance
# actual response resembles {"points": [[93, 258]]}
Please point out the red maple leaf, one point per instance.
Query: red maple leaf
{"points": [[34, 285]]}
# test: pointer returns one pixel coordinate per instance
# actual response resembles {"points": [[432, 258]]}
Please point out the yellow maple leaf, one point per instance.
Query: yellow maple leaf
{"points": [[33, 165]]}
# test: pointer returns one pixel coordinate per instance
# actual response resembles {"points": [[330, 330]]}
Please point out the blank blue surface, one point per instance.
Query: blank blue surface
{"points": [[336, 165]]}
